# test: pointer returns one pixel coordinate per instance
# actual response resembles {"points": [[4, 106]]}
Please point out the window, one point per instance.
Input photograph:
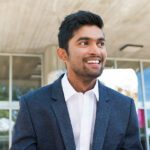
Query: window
{"points": [[18, 75]]}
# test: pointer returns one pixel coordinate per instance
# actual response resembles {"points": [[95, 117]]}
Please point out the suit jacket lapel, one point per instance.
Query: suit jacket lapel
{"points": [[62, 115], [102, 117]]}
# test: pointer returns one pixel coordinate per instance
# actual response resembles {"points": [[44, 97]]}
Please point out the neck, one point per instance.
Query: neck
{"points": [[80, 84]]}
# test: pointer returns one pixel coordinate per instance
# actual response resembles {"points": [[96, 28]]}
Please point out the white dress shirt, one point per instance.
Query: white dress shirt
{"points": [[82, 112]]}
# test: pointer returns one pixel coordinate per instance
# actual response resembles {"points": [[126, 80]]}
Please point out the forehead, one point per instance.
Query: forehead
{"points": [[90, 31]]}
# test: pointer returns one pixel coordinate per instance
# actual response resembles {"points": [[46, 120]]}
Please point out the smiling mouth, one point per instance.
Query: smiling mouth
{"points": [[93, 61]]}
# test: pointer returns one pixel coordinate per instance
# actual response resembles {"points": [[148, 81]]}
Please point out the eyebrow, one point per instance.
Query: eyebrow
{"points": [[87, 38]]}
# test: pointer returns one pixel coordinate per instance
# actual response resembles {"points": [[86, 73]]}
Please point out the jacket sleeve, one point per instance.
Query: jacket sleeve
{"points": [[132, 138], [24, 137]]}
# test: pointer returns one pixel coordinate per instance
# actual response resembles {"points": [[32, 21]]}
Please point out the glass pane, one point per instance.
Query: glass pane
{"points": [[135, 67], [14, 115], [148, 121], [4, 129], [146, 70], [140, 91], [109, 64], [123, 79], [148, 117], [4, 78], [141, 118], [26, 75]]}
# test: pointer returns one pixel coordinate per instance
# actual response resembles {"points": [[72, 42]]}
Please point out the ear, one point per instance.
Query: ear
{"points": [[62, 54]]}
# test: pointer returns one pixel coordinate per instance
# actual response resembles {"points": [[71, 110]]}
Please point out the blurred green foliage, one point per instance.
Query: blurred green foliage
{"points": [[4, 92], [4, 114]]}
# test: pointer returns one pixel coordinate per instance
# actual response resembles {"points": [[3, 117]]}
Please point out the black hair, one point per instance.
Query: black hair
{"points": [[73, 22]]}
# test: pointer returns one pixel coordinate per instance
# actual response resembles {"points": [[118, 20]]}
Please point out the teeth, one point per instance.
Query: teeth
{"points": [[93, 61]]}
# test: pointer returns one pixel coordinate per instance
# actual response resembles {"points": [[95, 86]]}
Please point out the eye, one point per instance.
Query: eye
{"points": [[83, 43], [100, 43]]}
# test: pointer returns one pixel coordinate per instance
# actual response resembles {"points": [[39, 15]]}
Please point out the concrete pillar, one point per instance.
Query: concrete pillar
{"points": [[53, 66]]}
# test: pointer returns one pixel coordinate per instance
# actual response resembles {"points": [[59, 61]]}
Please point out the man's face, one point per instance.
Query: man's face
{"points": [[86, 53]]}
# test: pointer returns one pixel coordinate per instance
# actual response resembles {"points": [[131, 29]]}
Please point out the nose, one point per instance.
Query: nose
{"points": [[95, 50]]}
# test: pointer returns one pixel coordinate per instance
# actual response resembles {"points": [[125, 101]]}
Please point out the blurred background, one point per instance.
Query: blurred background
{"points": [[28, 43]]}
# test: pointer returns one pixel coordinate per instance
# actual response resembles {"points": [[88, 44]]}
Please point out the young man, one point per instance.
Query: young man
{"points": [[77, 112]]}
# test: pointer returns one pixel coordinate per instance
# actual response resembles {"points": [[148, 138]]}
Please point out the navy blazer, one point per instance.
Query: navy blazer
{"points": [[43, 121]]}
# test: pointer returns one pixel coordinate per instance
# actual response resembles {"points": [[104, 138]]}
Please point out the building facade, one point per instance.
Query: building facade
{"points": [[22, 73]]}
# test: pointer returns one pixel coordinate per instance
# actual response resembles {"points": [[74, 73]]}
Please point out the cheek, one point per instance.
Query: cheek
{"points": [[76, 55], [104, 53], [104, 56]]}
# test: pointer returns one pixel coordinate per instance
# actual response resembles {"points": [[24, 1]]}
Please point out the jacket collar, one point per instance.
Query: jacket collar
{"points": [[102, 118], [62, 115]]}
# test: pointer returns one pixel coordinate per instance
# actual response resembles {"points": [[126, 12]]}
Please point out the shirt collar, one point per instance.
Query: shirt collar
{"points": [[70, 91], [96, 91]]}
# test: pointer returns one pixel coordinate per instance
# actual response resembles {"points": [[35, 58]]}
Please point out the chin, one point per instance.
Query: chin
{"points": [[96, 74]]}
